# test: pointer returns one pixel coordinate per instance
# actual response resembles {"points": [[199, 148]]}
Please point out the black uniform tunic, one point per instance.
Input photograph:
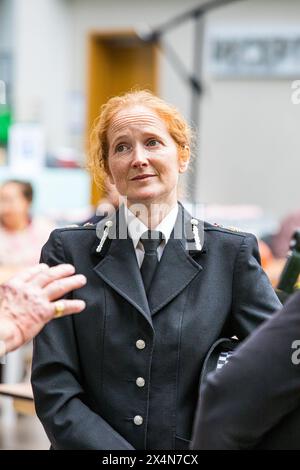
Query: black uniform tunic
{"points": [[125, 373]]}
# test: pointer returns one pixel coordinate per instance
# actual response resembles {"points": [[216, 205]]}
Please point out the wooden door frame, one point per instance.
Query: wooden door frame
{"points": [[95, 38]]}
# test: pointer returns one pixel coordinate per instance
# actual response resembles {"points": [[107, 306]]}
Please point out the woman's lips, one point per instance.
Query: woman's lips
{"points": [[141, 177]]}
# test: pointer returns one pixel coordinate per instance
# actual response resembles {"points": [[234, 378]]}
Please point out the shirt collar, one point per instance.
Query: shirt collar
{"points": [[136, 227]]}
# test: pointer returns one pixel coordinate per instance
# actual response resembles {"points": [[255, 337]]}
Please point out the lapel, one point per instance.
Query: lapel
{"points": [[177, 268], [118, 265]]}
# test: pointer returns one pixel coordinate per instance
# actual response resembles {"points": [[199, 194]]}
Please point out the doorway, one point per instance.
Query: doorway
{"points": [[118, 62]]}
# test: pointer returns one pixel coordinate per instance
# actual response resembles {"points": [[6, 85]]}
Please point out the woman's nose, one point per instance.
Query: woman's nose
{"points": [[139, 156]]}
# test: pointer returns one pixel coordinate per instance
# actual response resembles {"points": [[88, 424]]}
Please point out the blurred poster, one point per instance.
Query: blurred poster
{"points": [[26, 148], [255, 54]]}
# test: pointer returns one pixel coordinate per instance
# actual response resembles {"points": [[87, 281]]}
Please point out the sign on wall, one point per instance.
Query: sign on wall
{"points": [[258, 54]]}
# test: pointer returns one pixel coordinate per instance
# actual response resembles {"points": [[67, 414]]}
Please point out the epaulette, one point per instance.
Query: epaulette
{"points": [[231, 229], [88, 224]]}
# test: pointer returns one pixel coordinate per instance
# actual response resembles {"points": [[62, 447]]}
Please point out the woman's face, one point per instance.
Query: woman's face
{"points": [[13, 205], [143, 159]]}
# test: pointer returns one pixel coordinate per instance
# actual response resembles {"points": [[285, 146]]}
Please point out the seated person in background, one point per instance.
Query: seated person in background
{"points": [[281, 240], [21, 236], [253, 402]]}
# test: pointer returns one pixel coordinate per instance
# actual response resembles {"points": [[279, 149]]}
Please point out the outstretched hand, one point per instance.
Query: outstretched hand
{"points": [[27, 302]]}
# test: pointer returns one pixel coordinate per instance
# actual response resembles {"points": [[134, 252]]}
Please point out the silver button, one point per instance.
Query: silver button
{"points": [[138, 420], [140, 344], [140, 382]]}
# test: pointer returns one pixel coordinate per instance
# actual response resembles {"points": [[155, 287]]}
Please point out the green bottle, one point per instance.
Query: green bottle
{"points": [[291, 270]]}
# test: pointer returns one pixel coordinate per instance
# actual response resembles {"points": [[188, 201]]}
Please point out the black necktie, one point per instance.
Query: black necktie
{"points": [[150, 240]]}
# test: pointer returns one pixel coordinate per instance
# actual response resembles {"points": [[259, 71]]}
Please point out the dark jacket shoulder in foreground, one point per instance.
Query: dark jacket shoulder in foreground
{"points": [[254, 401]]}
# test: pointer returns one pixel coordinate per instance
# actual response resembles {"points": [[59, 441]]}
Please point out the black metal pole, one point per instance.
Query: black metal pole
{"points": [[197, 11], [196, 97]]}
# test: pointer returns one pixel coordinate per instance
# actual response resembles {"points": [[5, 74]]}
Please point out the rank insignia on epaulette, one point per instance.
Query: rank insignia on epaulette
{"points": [[88, 224], [195, 230], [233, 229], [107, 226]]}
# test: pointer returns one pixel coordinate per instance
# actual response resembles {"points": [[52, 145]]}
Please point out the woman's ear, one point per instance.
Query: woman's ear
{"points": [[184, 158]]}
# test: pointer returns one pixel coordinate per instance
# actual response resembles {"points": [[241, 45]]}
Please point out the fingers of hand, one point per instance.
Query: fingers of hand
{"points": [[30, 273], [61, 287], [60, 271], [66, 307]]}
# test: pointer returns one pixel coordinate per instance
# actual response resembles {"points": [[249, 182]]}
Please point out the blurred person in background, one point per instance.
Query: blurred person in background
{"points": [[265, 252], [280, 241], [21, 235], [274, 248]]}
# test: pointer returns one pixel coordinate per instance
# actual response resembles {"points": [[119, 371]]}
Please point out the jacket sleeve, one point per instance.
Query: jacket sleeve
{"points": [[254, 299], [56, 380], [244, 404]]}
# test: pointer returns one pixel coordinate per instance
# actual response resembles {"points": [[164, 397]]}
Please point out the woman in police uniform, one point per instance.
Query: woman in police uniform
{"points": [[124, 374]]}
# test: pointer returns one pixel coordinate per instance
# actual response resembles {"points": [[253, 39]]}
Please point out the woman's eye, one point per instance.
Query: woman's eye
{"points": [[152, 142], [121, 148]]}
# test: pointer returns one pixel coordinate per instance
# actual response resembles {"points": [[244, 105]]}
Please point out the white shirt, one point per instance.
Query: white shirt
{"points": [[136, 228]]}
